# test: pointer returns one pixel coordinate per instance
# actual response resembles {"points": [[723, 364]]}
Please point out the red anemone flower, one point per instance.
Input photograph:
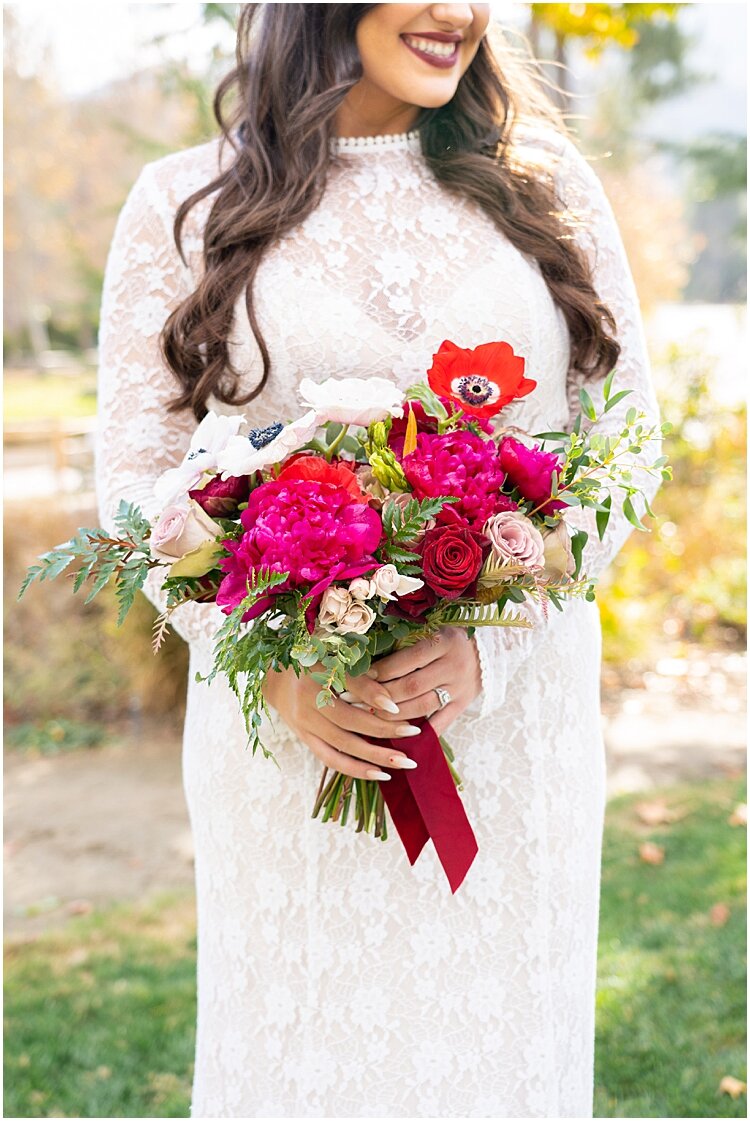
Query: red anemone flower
{"points": [[479, 381]]}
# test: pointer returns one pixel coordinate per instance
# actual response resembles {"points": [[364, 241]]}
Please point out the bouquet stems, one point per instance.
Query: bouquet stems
{"points": [[335, 795]]}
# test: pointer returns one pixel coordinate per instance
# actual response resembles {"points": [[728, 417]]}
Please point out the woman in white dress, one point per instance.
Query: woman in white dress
{"points": [[378, 195]]}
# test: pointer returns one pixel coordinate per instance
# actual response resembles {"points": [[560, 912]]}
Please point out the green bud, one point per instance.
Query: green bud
{"points": [[378, 434], [387, 470]]}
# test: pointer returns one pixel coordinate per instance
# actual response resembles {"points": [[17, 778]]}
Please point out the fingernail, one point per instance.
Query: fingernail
{"points": [[403, 763], [385, 704], [378, 774], [407, 730], [373, 673], [346, 696]]}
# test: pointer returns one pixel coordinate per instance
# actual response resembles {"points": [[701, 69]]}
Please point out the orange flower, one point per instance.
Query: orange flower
{"points": [[314, 468], [480, 381]]}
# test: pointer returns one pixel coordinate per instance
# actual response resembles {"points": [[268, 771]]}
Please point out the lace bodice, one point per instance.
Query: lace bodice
{"points": [[370, 283]]}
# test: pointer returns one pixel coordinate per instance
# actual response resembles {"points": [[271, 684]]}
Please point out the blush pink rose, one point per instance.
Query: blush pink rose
{"points": [[514, 539], [180, 530]]}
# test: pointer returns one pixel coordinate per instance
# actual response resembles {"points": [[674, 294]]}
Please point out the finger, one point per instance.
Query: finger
{"points": [[338, 761], [444, 717], [367, 721], [418, 709], [351, 744], [364, 689], [407, 660], [421, 681]]}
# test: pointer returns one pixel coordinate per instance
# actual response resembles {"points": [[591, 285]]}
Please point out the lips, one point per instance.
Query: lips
{"points": [[442, 62]]}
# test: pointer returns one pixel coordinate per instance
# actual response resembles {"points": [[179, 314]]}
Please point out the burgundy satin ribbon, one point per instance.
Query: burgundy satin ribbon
{"points": [[424, 803]]}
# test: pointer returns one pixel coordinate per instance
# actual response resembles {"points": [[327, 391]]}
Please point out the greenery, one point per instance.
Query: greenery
{"points": [[68, 661], [670, 1008], [35, 396], [101, 1015], [668, 584], [670, 1014], [53, 737]]}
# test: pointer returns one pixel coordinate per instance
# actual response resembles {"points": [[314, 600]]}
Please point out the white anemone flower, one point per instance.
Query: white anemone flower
{"points": [[242, 457], [208, 441], [358, 401]]}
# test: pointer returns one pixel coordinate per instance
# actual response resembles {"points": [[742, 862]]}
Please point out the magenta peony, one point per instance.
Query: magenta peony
{"points": [[530, 471], [461, 464], [305, 528]]}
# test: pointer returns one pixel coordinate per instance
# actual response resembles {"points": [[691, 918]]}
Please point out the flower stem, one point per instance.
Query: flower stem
{"points": [[334, 447]]}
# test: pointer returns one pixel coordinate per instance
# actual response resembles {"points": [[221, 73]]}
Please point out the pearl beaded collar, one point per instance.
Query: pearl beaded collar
{"points": [[392, 141]]}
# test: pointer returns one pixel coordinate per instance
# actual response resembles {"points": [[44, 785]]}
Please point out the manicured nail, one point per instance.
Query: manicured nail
{"points": [[385, 704], [402, 762], [407, 730], [378, 774], [346, 696]]}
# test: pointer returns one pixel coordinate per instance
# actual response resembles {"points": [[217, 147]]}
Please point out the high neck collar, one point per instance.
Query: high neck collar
{"points": [[391, 142]]}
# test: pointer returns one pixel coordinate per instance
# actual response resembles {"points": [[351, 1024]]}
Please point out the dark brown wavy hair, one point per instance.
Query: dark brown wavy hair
{"points": [[295, 64]]}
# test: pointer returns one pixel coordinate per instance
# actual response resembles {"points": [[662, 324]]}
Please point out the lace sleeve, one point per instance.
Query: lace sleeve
{"points": [[137, 438], [502, 651]]}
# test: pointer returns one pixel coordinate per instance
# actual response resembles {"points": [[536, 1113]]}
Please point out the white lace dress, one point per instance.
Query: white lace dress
{"points": [[334, 980]]}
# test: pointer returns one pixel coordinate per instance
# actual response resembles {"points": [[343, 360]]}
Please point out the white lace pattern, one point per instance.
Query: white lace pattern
{"points": [[333, 978]]}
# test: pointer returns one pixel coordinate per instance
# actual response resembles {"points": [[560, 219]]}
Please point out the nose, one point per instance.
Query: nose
{"points": [[456, 16]]}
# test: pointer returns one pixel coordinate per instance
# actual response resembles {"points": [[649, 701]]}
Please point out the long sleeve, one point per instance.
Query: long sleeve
{"points": [[503, 651], [137, 438]]}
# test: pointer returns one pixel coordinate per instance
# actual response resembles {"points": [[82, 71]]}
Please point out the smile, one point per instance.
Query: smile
{"points": [[442, 55]]}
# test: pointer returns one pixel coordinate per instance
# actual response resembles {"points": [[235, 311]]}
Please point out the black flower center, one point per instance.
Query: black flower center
{"points": [[196, 453], [260, 437], [475, 390]]}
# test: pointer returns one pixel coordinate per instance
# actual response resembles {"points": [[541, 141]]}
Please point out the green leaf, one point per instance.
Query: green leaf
{"points": [[616, 399], [577, 542], [433, 406], [550, 436], [630, 514], [608, 385], [587, 404], [602, 516]]}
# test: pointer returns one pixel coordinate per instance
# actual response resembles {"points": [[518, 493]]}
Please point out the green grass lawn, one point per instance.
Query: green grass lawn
{"points": [[100, 1015], [28, 396], [671, 1002]]}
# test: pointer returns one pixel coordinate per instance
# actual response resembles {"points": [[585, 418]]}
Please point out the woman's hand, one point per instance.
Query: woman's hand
{"points": [[449, 661], [335, 733]]}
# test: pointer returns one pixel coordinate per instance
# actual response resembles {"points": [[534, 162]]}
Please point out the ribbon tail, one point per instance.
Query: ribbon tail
{"points": [[405, 813], [424, 803], [440, 805]]}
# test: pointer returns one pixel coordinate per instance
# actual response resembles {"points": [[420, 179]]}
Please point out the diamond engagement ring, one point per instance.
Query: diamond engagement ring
{"points": [[443, 696]]}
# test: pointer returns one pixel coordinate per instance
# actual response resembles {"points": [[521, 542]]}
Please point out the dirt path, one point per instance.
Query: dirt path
{"points": [[110, 823]]}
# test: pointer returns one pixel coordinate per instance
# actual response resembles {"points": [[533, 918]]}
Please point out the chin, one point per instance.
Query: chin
{"points": [[430, 98]]}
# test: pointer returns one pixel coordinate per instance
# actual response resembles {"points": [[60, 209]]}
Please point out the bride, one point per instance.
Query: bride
{"points": [[387, 176]]}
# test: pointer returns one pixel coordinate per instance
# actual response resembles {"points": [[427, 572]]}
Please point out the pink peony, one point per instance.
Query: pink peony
{"points": [[461, 464], [530, 471], [309, 529], [426, 423]]}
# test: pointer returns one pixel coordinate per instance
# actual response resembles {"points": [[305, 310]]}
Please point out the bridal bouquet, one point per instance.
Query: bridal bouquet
{"points": [[376, 518]]}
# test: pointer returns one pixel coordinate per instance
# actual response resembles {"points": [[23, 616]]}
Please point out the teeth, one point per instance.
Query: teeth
{"points": [[430, 46]]}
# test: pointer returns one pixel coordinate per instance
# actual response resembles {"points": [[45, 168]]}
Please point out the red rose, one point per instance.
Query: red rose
{"points": [[452, 556], [414, 605]]}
